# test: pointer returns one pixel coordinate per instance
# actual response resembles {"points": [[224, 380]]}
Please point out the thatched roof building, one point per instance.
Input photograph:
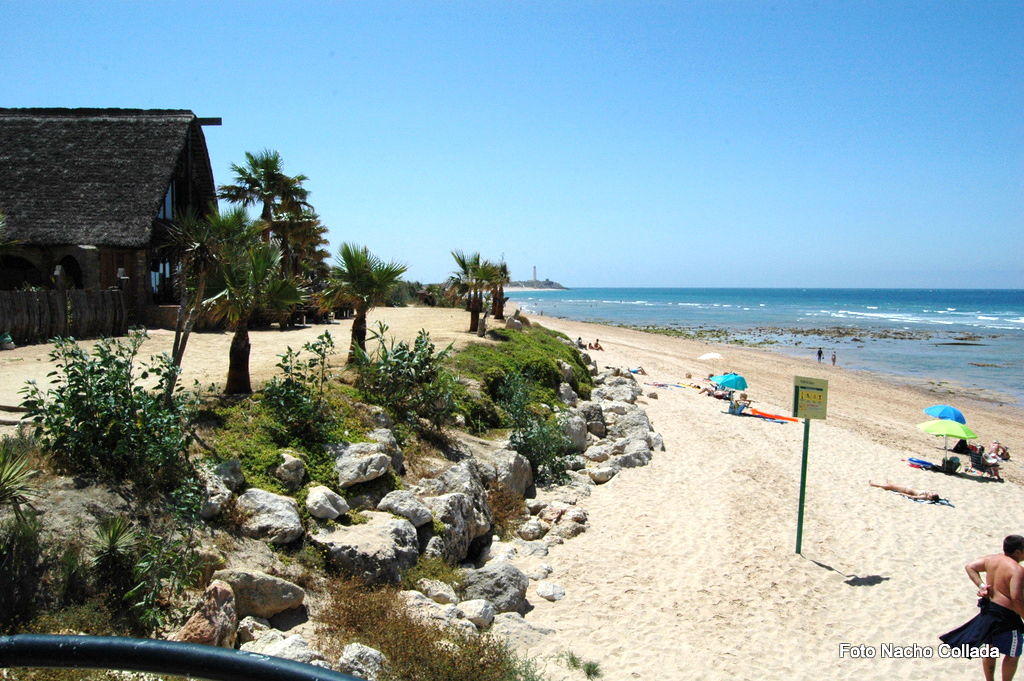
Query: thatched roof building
{"points": [[94, 189]]}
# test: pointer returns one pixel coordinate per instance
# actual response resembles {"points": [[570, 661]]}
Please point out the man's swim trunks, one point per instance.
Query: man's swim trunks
{"points": [[994, 625]]}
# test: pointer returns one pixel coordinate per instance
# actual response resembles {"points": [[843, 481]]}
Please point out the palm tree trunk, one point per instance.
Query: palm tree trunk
{"points": [[475, 303], [238, 363], [268, 219], [358, 333], [499, 303]]}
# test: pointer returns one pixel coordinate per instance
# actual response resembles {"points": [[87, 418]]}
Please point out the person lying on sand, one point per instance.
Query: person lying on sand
{"points": [[638, 370], [999, 450], [907, 491]]}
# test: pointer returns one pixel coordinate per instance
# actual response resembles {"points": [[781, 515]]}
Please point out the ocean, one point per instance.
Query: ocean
{"points": [[966, 337]]}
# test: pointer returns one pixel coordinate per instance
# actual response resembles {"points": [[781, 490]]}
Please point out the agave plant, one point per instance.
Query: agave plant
{"points": [[16, 486]]}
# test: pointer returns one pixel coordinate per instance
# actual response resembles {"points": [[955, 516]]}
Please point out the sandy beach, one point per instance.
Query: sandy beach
{"points": [[688, 570]]}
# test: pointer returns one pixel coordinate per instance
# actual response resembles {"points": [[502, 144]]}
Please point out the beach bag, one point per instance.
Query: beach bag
{"points": [[6, 342], [951, 465]]}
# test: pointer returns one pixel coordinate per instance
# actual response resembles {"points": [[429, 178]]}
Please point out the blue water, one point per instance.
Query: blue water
{"points": [[943, 316]]}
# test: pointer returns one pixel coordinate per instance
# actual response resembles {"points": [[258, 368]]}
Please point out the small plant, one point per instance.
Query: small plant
{"points": [[16, 485], [296, 398], [592, 670], [507, 508], [113, 549], [432, 567]]}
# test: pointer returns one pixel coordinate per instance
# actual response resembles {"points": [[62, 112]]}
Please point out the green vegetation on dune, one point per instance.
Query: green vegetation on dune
{"points": [[532, 353]]}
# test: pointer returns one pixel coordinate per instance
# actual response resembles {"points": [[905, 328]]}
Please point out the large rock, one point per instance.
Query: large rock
{"points": [[359, 462], [615, 393], [362, 661], [217, 494], [230, 472], [442, 614], [269, 516], [292, 471], [260, 594], [466, 522], [566, 369], [297, 649], [389, 445], [501, 583], [520, 634], [325, 504], [461, 526], [215, 621], [510, 470], [632, 424], [567, 394], [437, 591], [407, 505], [575, 429], [636, 453], [479, 611], [376, 551]]}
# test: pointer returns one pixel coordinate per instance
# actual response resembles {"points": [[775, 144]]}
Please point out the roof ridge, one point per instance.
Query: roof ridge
{"points": [[57, 112]]}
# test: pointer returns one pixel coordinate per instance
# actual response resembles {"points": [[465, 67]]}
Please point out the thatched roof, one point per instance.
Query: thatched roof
{"points": [[95, 176]]}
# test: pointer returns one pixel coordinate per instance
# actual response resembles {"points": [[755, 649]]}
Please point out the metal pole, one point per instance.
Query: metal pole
{"points": [[159, 657], [803, 487]]}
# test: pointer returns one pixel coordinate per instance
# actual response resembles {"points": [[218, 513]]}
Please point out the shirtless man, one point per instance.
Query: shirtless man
{"points": [[1002, 603]]}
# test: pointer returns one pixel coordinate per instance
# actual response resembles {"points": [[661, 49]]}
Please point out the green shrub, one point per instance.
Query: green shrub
{"points": [[99, 423], [537, 437], [416, 650], [432, 567], [297, 397], [16, 485], [21, 569], [408, 380], [532, 353], [508, 510]]}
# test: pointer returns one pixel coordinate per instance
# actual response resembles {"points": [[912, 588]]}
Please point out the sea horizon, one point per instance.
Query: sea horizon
{"points": [[967, 337]]}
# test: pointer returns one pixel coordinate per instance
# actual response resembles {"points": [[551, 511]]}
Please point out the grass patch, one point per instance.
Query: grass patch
{"points": [[432, 567], [533, 353]]}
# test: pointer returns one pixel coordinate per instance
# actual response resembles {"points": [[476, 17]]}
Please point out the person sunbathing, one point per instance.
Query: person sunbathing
{"points": [[597, 344], [716, 391], [999, 450], [639, 370], [991, 461], [907, 491]]}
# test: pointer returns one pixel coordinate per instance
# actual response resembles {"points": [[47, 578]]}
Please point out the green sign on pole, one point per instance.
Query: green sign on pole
{"points": [[810, 401]]}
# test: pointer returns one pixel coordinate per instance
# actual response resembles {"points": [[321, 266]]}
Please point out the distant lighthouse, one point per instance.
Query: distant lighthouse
{"points": [[535, 273]]}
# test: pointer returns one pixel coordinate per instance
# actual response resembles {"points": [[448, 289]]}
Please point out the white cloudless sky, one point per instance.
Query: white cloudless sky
{"points": [[632, 143]]}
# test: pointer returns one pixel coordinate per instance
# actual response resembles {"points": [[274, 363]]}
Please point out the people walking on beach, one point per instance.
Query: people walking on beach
{"points": [[833, 358], [821, 355], [1001, 601]]}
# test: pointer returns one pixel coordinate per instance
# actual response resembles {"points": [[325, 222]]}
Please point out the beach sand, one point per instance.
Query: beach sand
{"points": [[688, 570]]}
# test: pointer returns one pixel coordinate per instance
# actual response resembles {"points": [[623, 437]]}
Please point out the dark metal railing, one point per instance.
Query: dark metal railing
{"points": [[158, 657]]}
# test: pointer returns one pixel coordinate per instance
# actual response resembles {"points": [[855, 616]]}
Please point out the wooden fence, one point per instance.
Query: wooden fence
{"points": [[37, 316]]}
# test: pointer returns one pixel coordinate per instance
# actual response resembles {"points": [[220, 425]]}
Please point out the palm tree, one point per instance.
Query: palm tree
{"points": [[251, 279], [466, 281], [503, 276], [364, 280], [262, 181], [199, 243]]}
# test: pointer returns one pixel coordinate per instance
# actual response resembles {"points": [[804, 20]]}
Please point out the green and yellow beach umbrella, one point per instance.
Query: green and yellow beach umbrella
{"points": [[947, 429]]}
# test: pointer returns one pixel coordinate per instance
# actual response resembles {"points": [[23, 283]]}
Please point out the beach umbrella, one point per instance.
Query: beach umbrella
{"points": [[730, 381], [710, 355], [946, 413], [947, 429]]}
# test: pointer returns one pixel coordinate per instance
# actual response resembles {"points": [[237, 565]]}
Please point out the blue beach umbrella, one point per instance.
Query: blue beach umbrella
{"points": [[730, 381], [946, 413]]}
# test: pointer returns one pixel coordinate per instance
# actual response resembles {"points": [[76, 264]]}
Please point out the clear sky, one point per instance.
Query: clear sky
{"points": [[632, 143]]}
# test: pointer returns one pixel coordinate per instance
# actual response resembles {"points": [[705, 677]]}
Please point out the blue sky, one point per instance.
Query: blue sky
{"points": [[630, 143]]}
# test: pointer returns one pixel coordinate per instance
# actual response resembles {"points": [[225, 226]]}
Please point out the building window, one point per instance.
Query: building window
{"points": [[167, 207]]}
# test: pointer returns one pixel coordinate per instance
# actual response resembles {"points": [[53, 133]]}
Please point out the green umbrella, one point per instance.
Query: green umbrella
{"points": [[947, 429]]}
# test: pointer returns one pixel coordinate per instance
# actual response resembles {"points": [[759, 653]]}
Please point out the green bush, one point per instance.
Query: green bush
{"points": [[297, 397], [408, 380], [536, 436], [432, 567], [16, 485], [98, 422]]}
